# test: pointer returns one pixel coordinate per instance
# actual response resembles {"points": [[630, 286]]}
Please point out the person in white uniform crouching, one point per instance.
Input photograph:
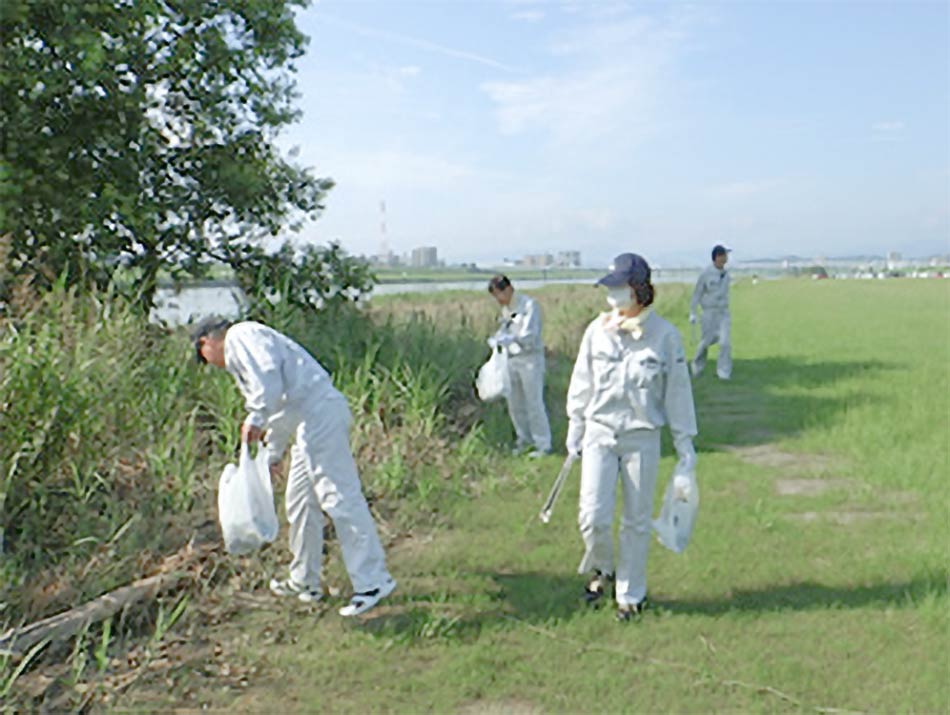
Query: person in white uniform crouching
{"points": [[520, 334], [712, 295], [289, 394], [630, 378]]}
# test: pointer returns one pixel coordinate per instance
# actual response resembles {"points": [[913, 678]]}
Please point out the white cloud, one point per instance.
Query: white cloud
{"points": [[893, 126], [415, 42], [617, 74], [888, 131], [600, 219], [386, 168], [573, 108], [742, 189], [528, 16]]}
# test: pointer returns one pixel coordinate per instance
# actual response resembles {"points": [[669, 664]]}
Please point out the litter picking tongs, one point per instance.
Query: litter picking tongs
{"points": [[545, 514]]}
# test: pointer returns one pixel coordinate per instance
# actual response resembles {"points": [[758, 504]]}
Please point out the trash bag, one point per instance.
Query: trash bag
{"points": [[246, 503], [492, 382], [674, 526]]}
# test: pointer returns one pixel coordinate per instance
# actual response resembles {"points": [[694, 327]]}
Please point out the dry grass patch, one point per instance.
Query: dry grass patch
{"points": [[770, 456], [510, 706], [811, 487], [845, 517]]}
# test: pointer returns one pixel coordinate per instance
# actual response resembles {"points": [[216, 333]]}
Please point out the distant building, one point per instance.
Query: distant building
{"points": [[568, 259], [424, 257], [537, 260], [388, 260], [894, 260]]}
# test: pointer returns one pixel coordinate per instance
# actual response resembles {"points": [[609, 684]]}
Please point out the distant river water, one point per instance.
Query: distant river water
{"points": [[226, 299]]}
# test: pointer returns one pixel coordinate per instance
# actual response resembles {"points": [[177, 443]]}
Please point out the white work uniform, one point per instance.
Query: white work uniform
{"points": [[521, 323], [712, 294], [288, 392], [622, 390]]}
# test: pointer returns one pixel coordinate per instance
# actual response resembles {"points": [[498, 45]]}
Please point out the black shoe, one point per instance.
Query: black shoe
{"points": [[628, 612], [598, 587]]}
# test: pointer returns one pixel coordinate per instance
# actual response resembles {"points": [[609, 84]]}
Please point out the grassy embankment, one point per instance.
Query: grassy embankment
{"points": [[817, 578], [113, 439]]}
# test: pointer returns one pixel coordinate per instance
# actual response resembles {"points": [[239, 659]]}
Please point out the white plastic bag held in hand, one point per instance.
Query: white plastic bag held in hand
{"points": [[492, 382], [246, 503], [674, 526]]}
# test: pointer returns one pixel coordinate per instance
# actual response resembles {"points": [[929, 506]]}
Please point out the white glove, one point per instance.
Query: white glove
{"points": [[504, 340], [492, 342], [686, 453], [575, 437], [692, 317]]}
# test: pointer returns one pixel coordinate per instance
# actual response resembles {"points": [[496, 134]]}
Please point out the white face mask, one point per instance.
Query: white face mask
{"points": [[619, 298]]}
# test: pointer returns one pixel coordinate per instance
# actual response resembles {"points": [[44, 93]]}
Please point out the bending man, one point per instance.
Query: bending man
{"points": [[288, 394]]}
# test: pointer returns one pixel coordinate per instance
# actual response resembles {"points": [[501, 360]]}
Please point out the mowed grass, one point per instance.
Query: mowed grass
{"points": [[816, 580]]}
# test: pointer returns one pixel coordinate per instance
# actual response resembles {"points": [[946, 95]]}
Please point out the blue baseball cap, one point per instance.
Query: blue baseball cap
{"points": [[719, 249], [627, 268]]}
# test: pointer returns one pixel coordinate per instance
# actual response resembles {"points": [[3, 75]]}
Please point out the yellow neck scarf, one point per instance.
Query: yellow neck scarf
{"points": [[617, 322]]}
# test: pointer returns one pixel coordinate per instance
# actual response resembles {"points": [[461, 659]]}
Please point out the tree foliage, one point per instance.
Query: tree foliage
{"points": [[308, 278], [141, 133]]}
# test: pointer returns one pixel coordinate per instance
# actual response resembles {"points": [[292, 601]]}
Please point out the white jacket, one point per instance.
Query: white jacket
{"points": [[521, 319], [711, 291], [280, 381], [622, 384]]}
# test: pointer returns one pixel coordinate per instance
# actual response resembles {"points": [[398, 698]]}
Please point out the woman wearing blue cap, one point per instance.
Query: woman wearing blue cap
{"points": [[630, 379]]}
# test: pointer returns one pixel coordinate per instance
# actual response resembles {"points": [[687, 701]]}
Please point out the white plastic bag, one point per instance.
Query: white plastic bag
{"points": [[246, 503], [492, 382], [674, 526]]}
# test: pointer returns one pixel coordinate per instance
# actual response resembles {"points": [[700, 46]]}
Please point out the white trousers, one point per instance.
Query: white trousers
{"points": [[716, 328], [634, 458], [323, 476], [526, 401]]}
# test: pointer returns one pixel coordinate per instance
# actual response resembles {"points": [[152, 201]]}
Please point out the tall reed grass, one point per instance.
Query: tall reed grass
{"points": [[113, 436], [107, 435]]}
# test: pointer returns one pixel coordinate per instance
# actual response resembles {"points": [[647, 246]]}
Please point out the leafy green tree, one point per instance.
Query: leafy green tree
{"points": [[141, 133], [308, 278]]}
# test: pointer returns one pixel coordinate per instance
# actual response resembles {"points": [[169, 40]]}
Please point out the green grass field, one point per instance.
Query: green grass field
{"points": [[816, 580]]}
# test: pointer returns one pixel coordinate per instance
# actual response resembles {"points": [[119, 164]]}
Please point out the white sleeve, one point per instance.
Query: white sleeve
{"points": [[257, 371], [678, 399], [581, 388], [697, 292], [529, 333]]}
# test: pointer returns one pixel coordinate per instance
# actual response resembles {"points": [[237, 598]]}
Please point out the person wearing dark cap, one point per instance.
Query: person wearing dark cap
{"points": [[520, 334], [289, 394], [630, 378], [712, 295]]}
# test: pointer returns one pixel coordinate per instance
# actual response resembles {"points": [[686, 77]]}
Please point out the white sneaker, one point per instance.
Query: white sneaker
{"points": [[694, 370], [362, 602], [723, 376], [289, 587], [538, 453]]}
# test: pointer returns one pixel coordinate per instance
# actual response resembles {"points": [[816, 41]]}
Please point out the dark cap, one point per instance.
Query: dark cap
{"points": [[718, 250], [205, 328], [627, 268]]}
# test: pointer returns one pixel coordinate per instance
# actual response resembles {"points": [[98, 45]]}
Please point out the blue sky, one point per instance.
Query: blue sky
{"points": [[498, 128]]}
